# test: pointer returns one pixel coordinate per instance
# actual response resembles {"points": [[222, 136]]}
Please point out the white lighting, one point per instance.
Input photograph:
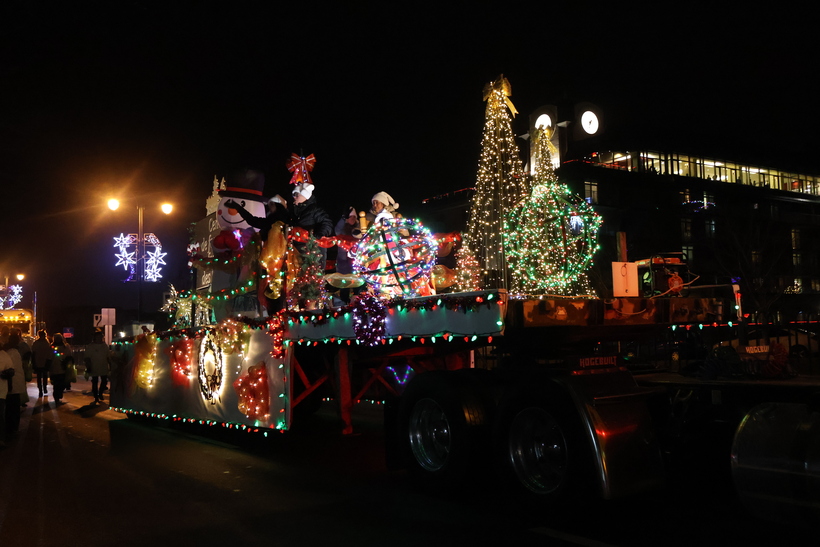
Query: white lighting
{"points": [[543, 121]]}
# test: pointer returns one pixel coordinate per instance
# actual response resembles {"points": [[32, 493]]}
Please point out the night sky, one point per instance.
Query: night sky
{"points": [[152, 100]]}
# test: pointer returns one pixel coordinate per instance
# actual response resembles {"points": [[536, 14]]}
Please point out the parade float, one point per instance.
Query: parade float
{"points": [[509, 360], [246, 347]]}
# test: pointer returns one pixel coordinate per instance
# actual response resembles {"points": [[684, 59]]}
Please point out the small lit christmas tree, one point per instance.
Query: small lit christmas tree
{"points": [[501, 184], [551, 235], [308, 288]]}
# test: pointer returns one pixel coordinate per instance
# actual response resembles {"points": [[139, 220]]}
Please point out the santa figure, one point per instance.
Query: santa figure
{"points": [[246, 190]]}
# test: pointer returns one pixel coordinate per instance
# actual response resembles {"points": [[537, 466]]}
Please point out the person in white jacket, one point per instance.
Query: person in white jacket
{"points": [[14, 399], [5, 365]]}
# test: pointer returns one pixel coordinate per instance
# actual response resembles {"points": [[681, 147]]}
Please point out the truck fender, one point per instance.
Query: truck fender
{"points": [[618, 427]]}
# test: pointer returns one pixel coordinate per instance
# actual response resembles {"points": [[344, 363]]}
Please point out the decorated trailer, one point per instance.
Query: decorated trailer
{"points": [[537, 385], [505, 359]]}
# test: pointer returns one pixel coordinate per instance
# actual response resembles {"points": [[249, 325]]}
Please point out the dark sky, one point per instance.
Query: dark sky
{"points": [[153, 99]]}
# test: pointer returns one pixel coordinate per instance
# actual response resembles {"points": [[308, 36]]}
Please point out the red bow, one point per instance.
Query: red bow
{"points": [[301, 168]]}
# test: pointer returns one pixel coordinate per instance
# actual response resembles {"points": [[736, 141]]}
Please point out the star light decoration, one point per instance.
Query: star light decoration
{"points": [[128, 259]]}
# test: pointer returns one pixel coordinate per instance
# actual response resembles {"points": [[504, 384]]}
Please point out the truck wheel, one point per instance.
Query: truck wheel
{"points": [[442, 423], [541, 450]]}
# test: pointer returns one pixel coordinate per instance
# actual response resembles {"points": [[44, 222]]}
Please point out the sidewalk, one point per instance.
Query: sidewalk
{"points": [[78, 399]]}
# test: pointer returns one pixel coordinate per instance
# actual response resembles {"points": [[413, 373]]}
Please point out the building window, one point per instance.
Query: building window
{"points": [[815, 285], [591, 192], [688, 253], [708, 200], [686, 229], [685, 196], [796, 259], [756, 257], [710, 228], [795, 238]]}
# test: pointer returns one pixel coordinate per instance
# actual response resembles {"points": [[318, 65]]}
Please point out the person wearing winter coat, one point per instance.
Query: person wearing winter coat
{"points": [[308, 215], [97, 366], [276, 211], [57, 369], [41, 356], [6, 369], [382, 206], [14, 399]]}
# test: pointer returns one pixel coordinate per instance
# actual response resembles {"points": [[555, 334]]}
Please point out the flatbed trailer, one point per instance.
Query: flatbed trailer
{"points": [[535, 389]]}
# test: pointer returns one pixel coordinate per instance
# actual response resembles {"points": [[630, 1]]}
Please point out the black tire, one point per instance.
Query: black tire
{"points": [[540, 448], [444, 428]]}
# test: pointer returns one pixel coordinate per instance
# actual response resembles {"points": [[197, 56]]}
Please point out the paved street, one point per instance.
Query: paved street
{"points": [[83, 475]]}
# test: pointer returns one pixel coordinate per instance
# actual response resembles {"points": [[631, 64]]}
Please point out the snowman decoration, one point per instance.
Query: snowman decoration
{"points": [[245, 189]]}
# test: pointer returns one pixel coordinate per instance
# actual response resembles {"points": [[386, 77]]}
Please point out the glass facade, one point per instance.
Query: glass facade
{"points": [[707, 168]]}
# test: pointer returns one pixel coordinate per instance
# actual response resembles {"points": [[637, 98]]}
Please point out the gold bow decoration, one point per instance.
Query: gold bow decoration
{"points": [[544, 132], [501, 85]]}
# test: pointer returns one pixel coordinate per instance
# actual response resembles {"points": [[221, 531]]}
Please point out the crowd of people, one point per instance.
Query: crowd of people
{"points": [[47, 362]]}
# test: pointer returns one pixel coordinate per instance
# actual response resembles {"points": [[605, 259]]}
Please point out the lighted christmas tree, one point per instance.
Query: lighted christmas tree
{"points": [[500, 185], [551, 235], [307, 291]]}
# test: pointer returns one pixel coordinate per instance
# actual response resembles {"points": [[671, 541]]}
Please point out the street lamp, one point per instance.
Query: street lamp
{"points": [[138, 259]]}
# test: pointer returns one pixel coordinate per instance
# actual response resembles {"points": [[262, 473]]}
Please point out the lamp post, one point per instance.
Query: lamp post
{"points": [[139, 259]]}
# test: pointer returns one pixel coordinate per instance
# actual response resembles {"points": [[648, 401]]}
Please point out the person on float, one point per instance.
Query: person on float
{"points": [[382, 206], [276, 211], [348, 227], [308, 215]]}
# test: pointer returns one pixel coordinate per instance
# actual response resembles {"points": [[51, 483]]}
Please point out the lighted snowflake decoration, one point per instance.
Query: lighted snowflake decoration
{"points": [[128, 255], [14, 296], [152, 269]]}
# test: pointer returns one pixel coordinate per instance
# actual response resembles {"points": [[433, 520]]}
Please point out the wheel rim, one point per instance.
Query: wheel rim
{"points": [[538, 450], [429, 435]]}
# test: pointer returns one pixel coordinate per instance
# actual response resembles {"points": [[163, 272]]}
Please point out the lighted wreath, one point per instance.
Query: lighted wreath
{"points": [[369, 318], [211, 367]]}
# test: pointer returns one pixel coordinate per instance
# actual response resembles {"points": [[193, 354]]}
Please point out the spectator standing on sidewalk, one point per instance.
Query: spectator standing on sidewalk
{"points": [[25, 354], [97, 366], [6, 365], [41, 356], [17, 387], [56, 370], [69, 351]]}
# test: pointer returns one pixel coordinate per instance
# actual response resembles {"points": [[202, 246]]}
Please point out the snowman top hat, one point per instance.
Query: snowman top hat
{"points": [[247, 184]]}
